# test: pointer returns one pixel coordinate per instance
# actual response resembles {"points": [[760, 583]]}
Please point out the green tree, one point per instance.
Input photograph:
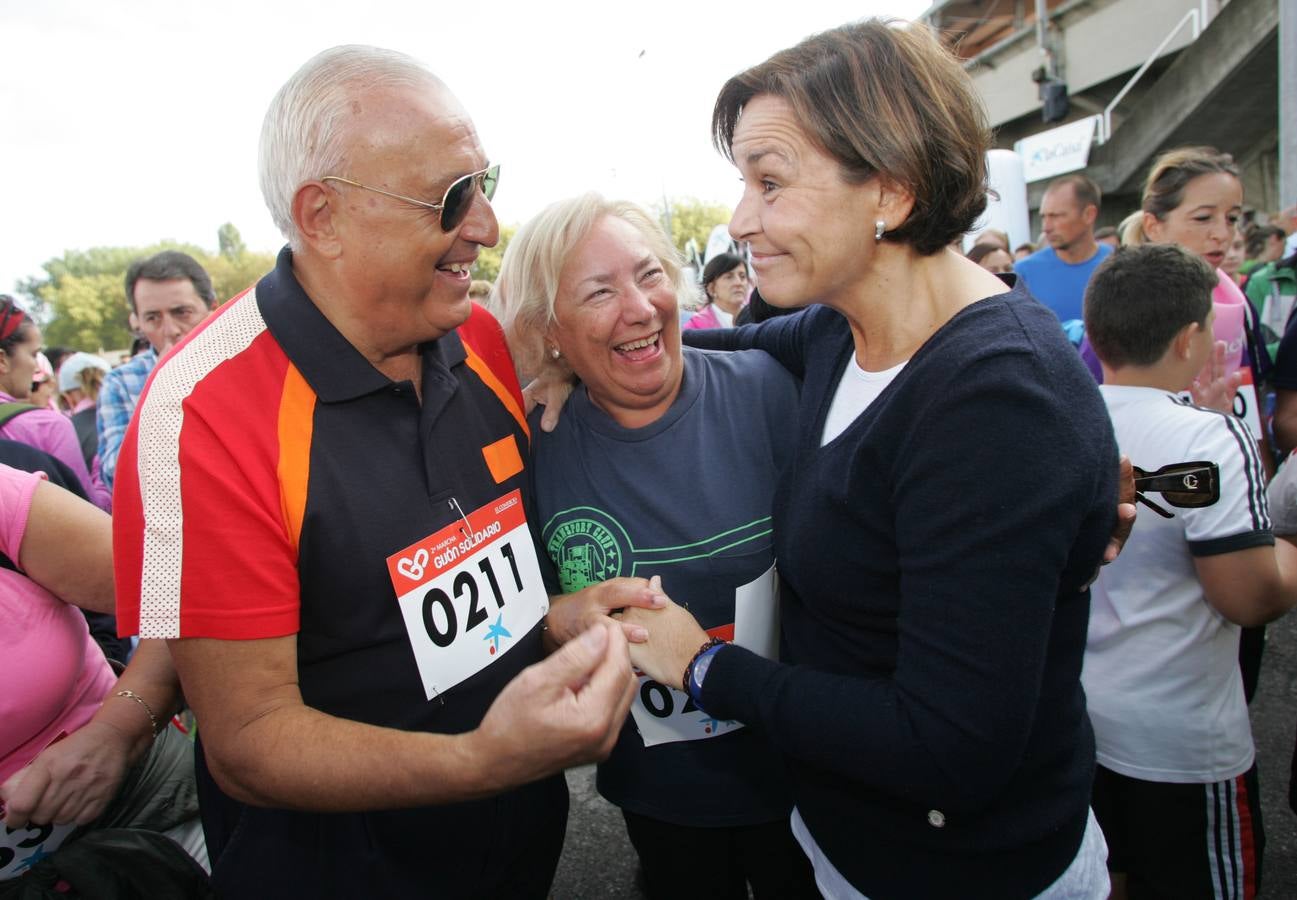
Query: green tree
{"points": [[88, 312], [692, 219], [230, 242], [81, 301], [487, 266]]}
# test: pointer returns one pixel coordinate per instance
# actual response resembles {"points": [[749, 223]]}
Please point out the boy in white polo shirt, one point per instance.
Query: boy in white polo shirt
{"points": [[1175, 791]]}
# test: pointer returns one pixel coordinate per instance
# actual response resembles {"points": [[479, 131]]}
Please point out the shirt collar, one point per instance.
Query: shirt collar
{"points": [[335, 370]]}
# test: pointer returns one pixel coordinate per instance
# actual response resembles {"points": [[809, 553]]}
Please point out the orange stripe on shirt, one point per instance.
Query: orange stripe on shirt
{"points": [[296, 420], [479, 366]]}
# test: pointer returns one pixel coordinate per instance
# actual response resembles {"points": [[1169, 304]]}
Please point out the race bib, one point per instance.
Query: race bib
{"points": [[22, 848], [664, 715], [1247, 405], [468, 592]]}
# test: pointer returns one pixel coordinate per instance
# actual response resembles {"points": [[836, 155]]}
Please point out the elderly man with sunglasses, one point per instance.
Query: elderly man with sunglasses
{"points": [[347, 567]]}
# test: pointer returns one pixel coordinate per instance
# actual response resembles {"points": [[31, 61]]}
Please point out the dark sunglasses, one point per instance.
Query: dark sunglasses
{"points": [[455, 203], [1188, 485]]}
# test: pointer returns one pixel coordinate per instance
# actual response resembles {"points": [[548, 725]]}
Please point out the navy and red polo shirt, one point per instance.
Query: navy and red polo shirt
{"points": [[269, 474]]}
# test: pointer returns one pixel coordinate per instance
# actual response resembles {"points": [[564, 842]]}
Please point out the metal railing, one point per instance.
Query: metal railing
{"points": [[1196, 17]]}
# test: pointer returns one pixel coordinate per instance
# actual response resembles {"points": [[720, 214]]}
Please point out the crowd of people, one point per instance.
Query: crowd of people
{"points": [[834, 578]]}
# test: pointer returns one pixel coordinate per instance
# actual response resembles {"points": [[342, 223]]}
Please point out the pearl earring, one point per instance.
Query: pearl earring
{"points": [[880, 228], [554, 352]]}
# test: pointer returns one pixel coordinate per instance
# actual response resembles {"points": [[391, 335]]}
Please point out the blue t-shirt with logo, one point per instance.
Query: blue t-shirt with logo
{"points": [[687, 498]]}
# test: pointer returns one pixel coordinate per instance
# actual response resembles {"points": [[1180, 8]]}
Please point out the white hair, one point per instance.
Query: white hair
{"points": [[303, 135], [526, 288]]}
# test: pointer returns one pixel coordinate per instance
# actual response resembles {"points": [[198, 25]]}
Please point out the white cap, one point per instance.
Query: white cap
{"points": [[74, 365]]}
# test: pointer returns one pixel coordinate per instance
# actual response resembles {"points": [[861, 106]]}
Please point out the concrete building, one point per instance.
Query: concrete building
{"points": [[1212, 77]]}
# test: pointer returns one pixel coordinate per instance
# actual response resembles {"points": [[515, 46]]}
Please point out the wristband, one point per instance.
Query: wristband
{"points": [[692, 680]]}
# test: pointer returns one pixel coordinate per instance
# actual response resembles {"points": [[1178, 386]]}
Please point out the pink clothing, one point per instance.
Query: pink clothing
{"points": [[82, 404], [704, 318], [54, 433], [1229, 303], [53, 676]]}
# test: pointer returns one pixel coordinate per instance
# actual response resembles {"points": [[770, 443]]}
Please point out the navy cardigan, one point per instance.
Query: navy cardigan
{"points": [[934, 560]]}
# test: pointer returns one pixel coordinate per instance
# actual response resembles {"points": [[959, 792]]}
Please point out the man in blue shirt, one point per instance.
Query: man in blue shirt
{"points": [[169, 294], [1057, 275]]}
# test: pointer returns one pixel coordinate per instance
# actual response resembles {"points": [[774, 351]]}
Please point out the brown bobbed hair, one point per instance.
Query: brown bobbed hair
{"points": [[882, 98]]}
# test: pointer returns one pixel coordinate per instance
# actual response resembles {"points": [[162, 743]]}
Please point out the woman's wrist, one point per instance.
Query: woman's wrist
{"points": [[696, 670]]}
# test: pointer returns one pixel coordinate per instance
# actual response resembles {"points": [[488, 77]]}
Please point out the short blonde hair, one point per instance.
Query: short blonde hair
{"points": [[525, 290]]}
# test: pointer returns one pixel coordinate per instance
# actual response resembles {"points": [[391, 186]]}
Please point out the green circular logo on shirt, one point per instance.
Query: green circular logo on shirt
{"points": [[587, 546]]}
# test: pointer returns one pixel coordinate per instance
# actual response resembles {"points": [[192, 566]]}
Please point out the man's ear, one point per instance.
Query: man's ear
{"points": [[315, 215], [1182, 343], [1090, 213], [134, 321]]}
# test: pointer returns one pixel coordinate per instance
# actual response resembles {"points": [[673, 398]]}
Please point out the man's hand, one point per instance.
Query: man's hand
{"points": [[674, 637], [1125, 510], [551, 391], [70, 781], [1214, 387], [571, 614], [564, 711]]}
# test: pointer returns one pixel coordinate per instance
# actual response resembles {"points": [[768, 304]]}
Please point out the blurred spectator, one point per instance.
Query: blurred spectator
{"points": [[169, 293], [991, 257], [1057, 275], [1235, 254], [1265, 244], [44, 389], [1022, 251], [1108, 235], [479, 290], [80, 379], [1274, 288], [20, 420], [81, 747], [725, 282], [993, 236]]}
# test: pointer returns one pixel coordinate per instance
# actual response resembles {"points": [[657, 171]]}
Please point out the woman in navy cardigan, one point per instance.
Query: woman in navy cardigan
{"points": [[952, 493]]}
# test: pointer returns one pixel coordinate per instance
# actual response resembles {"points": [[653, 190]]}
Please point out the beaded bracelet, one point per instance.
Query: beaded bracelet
{"points": [[689, 669], [153, 720]]}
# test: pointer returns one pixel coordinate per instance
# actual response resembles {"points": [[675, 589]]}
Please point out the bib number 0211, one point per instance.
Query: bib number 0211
{"points": [[468, 592], [439, 616]]}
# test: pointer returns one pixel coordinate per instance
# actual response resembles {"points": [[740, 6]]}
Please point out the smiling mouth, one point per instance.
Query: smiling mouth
{"points": [[456, 268], [632, 346]]}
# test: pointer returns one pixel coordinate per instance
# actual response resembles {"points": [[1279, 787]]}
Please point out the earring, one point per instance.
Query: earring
{"points": [[553, 352], [880, 228]]}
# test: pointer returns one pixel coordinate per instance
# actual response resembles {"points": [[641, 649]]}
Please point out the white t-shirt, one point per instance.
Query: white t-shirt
{"points": [[856, 390], [1161, 672]]}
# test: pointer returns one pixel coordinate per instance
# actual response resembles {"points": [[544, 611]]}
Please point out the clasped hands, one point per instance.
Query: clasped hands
{"points": [[662, 635]]}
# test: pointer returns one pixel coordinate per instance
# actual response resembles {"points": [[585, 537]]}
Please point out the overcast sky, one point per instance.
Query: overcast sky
{"points": [[124, 122]]}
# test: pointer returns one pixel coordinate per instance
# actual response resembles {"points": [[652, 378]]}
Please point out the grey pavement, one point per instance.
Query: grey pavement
{"points": [[599, 864]]}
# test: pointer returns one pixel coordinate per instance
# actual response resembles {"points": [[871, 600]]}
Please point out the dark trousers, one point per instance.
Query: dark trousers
{"points": [[681, 862]]}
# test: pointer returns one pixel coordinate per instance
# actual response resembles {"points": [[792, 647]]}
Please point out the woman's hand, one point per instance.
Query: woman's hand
{"points": [[551, 391], [674, 636], [1214, 387], [70, 781], [573, 614]]}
